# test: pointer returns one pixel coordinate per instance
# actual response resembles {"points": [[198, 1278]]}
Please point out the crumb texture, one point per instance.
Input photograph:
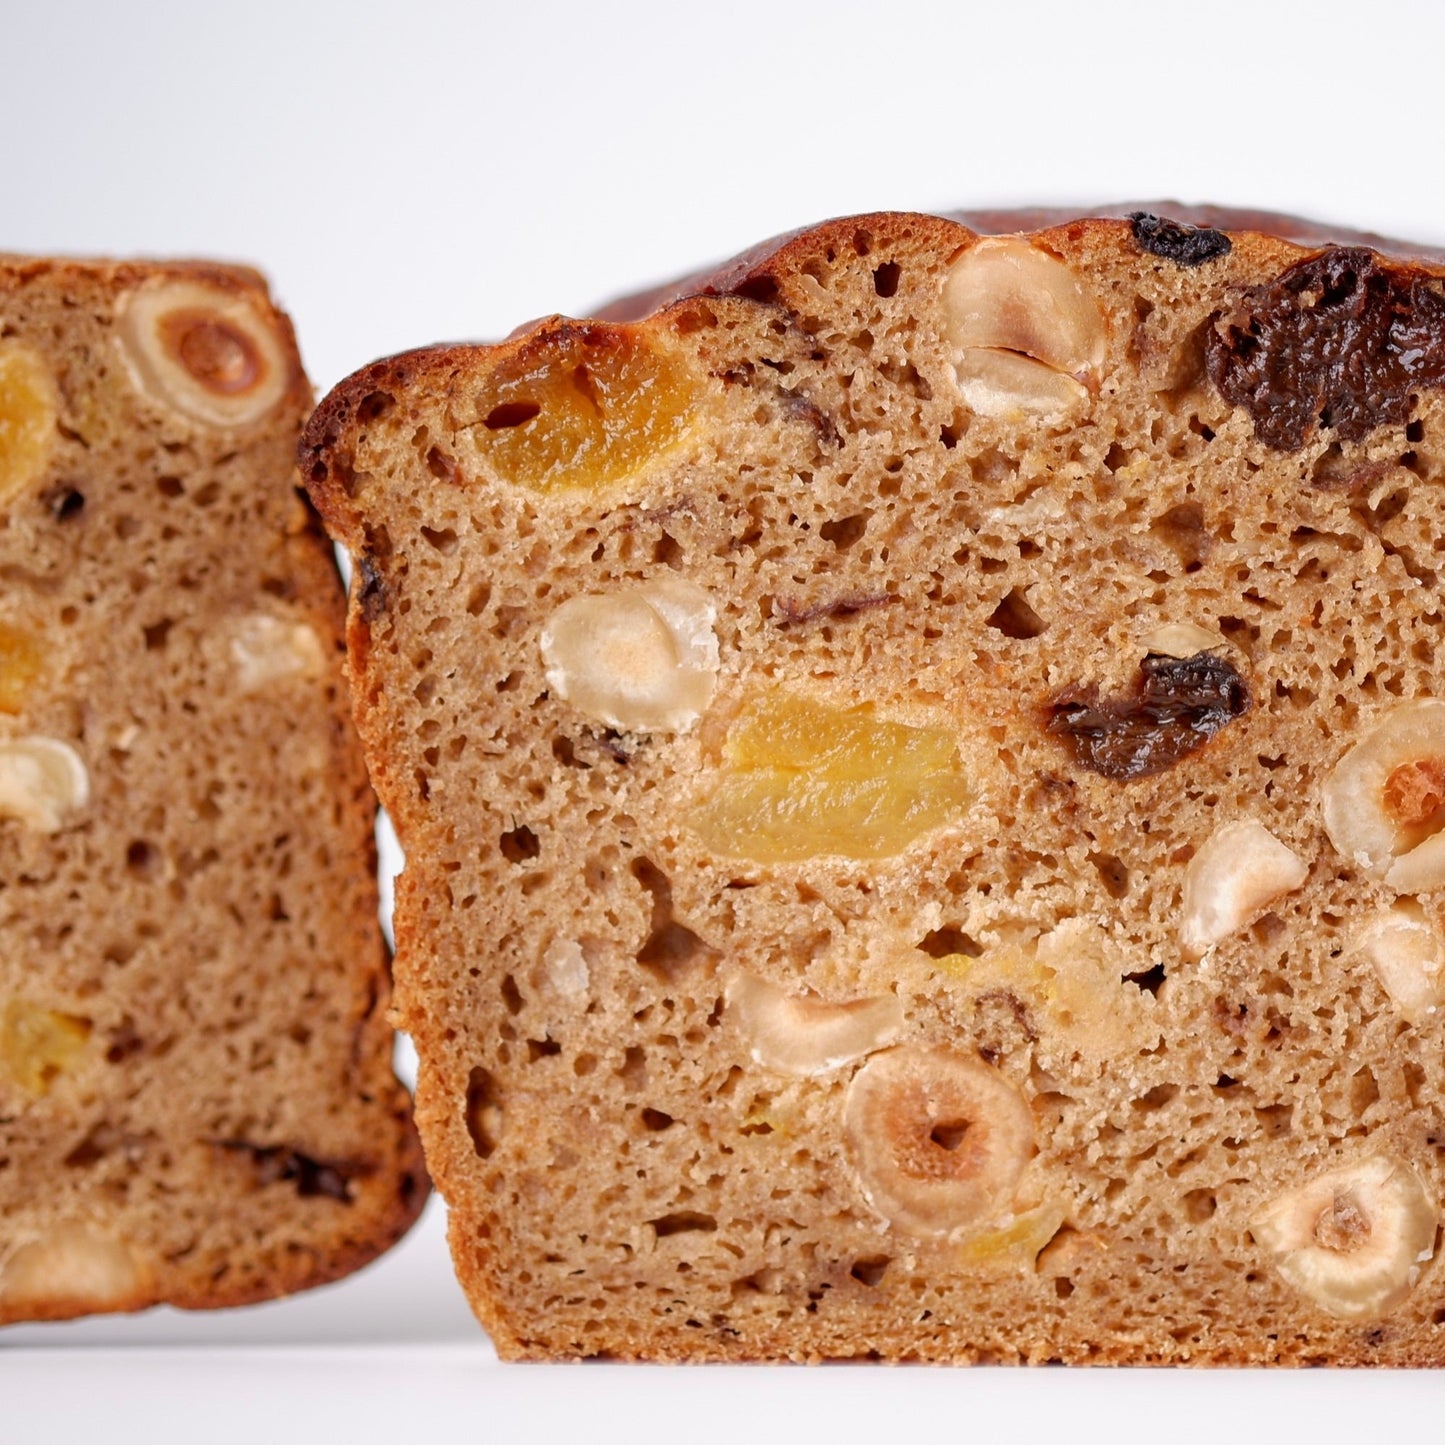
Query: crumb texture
{"points": [[196, 1098], [1009, 926]]}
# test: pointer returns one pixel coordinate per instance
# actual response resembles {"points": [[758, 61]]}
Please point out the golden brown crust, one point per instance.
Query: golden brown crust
{"points": [[751, 271], [1298, 230], [889, 548], [221, 1123]]}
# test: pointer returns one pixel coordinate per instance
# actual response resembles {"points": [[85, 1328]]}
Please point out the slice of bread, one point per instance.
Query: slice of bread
{"points": [[196, 1098], [920, 790]]}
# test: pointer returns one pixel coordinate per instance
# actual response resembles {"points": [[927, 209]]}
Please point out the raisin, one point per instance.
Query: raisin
{"points": [[1174, 241], [372, 587], [793, 612], [1177, 706], [1336, 342], [312, 1177]]}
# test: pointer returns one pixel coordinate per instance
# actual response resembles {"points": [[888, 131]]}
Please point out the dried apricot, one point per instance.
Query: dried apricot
{"points": [[801, 779], [28, 410], [582, 406], [37, 1044]]}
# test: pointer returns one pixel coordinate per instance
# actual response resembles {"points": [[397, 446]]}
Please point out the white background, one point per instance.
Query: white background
{"points": [[411, 173]]}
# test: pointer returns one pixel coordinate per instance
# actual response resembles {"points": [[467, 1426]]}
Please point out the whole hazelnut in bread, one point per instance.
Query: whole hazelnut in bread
{"points": [[918, 760]]}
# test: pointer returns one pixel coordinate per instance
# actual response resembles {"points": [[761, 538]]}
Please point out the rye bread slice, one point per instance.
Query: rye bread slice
{"points": [[919, 776], [197, 1104]]}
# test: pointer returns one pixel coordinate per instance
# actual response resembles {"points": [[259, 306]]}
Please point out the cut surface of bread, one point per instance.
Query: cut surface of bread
{"points": [[197, 1105], [921, 782]]}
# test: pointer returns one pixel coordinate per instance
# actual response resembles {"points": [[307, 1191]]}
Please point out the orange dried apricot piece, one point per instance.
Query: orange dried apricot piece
{"points": [[20, 667], [581, 406], [801, 779], [38, 1044], [28, 411]]}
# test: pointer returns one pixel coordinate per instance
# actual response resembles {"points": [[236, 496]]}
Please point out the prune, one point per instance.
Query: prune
{"points": [[1337, 342], [1178, 705], [1174, 241]]}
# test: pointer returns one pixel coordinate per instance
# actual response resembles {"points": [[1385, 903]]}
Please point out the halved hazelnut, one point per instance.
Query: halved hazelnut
{"points": [[1408, 953], [1028, 333], [1384, 803], [267, 651], [1352, 1240], [1009, 387], [202, 351], [806, 1035], [643, 659], [42, 782], [75, 1265], [29, 407], [1239, 870], [937, 1139]]}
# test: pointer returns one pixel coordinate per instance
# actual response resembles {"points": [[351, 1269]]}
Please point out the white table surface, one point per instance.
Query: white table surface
{"points": [[439, 170]]}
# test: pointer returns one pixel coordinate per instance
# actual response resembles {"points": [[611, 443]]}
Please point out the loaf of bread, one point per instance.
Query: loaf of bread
{"points": [[920, 771], [196, 1097]]}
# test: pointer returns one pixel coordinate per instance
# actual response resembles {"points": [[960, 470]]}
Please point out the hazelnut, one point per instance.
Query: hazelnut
{"points": [[42, 782], [1008, 387], [29, 409], [1241, 868], [1028, 335], [267, 651], [203, 351], [643, 659], [806, 1035], [937, 1140], [1407, 951], [75, 1264], [1352, 1240], [1182, 639], [1384, 803]]}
